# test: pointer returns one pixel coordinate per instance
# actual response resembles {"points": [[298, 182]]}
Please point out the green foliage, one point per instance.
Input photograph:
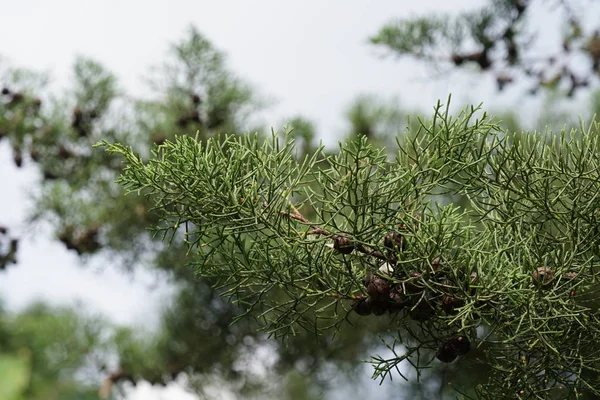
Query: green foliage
{"points": [[43, 349], [287, 265], [513, 275], [412, 36], [202, 93], [378, 120], [14, 374], [501, 38], [303, 132]]}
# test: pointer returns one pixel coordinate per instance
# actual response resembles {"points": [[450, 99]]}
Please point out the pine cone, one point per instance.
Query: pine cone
{"points": [[450, 304], [362, 307], [378, 289], [343, 244], [446, 353], [395, 241], [543, 277], [452, 348], [461, 344]]}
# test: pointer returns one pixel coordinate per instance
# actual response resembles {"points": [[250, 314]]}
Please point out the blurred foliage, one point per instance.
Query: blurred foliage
{"points": [[379, 120], [501, 38], [14, 373], [193, 93], [45, 354]]}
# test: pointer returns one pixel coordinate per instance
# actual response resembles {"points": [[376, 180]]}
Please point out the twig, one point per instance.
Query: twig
{"points": [[346, 296], [317, 230]]}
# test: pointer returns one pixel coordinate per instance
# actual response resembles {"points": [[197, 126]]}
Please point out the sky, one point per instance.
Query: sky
{"points": [[309, 58]]}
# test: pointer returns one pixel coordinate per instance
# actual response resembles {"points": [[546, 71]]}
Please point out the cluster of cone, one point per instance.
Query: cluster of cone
{"points": [[392, 292], [403, 291]]}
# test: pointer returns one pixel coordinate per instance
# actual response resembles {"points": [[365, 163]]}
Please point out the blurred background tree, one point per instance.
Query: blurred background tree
{"points": [[61, 353], [503, 40], [193, 93]]}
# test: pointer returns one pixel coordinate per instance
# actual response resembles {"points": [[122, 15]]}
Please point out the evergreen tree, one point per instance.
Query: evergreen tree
{"points": [[328, 246], [508, 281]]}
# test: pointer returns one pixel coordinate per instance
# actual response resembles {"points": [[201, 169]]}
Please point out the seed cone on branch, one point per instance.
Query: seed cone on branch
{"points": [[543, 277], [343, 245], [397, 299], [362, 307], [450, 304], [461, 344], [378, 288], [437, 264], [85, 242], [452, 348], [77, 117], [81, 121], [382, 297], [423, 310], [395, 241]]}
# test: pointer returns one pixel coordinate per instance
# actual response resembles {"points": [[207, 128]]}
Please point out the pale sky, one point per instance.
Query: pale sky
{"points": [[311, 57]]}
